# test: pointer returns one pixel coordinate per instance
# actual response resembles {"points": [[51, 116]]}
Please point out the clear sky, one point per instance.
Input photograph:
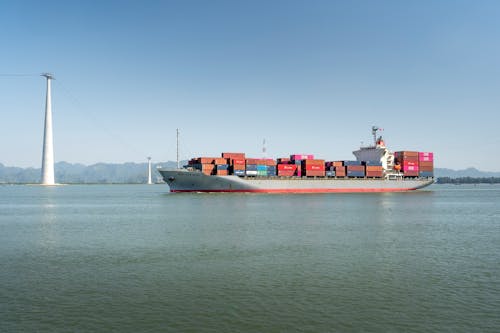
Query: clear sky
{"points": [[306, 76]]}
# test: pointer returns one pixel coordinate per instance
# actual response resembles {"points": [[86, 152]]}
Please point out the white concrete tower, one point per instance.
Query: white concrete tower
{"points": [[48, 141], [149, 171]]}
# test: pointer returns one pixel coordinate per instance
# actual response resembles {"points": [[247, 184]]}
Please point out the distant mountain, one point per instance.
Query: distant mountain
{"points": [[101, 173], [109, 173], [469, 172]]}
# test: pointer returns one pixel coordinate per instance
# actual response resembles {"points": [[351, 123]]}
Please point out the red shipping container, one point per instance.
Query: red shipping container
{"points": [[409, 163], [411, 173], [238, 161], [287, 167], [314, 167]]}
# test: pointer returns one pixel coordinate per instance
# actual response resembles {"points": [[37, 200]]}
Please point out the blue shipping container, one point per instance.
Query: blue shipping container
{"points": [[352, 163], [355, 173], [222, 166], [426, 174], [261, 168], [372, 163], [239, 172], [251, 167], [330, 173]]}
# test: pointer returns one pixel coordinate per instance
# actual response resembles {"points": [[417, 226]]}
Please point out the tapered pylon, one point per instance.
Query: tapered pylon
{"points": [[48, 140], [149, 171]]}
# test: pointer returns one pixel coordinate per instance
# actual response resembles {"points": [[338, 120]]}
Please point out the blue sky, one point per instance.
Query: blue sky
{"points": [[306, 76]]}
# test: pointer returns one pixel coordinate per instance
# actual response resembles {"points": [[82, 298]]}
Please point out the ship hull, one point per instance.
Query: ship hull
{"points": [[181, 180]]}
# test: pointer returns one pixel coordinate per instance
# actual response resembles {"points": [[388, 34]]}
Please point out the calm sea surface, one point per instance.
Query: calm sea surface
{"points": [[134, 258]]}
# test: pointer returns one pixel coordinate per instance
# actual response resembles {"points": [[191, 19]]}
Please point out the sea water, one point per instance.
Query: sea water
{"points": [[135, 258]]}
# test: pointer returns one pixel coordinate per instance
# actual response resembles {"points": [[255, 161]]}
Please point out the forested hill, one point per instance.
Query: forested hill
{"points": [[101, 173]]}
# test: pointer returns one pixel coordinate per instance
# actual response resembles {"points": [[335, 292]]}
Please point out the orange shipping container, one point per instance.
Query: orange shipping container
{"points": [[376, 174], [374, 168], [207, 160], [234, 155], [426, 164], [313, 162], [315, 173], [340, 171]]}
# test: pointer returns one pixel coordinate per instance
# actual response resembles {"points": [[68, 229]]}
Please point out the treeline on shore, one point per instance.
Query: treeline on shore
{"points": [[468, 180]]}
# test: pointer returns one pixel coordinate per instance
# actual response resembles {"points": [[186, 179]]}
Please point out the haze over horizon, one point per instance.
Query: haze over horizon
{"points": [[308, 77]]}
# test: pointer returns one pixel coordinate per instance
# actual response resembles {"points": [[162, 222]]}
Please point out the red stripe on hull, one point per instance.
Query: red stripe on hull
{"points": [[308, 190]]}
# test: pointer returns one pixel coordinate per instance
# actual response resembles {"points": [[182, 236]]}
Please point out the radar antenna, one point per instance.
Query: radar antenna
{"points": [[375, 129]]}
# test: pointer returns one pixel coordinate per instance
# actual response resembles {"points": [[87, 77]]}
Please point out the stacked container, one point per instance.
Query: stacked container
{"points": [[313, 168], [286, 170], [409, 162], [373, 169], [426, 164]]}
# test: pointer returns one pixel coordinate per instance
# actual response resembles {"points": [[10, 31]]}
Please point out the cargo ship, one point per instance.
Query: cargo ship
{"points": [[375, 169]]}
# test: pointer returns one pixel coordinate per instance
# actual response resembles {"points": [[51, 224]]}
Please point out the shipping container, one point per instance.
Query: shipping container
{"points": [[406, 153], [261, 168], [251, 172], [424, 156], [222, 172], [410, 168], [330, 173], [374, 174], [426, 164], [352, 173], [295, 157], [346, 163], [288, 167], [426, 173], [233, 155], [314, 173], [314, 168], [239, 172], [222, 167], [251, 167], [286, 173], [340, 171], [355, 168], [206, 160], [372, 163], [373, 168], [238, 161], [283, 160], [409, 163]]}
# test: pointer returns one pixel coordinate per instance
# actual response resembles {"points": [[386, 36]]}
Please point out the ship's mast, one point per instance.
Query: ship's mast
{"points": [[374, 133]]}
